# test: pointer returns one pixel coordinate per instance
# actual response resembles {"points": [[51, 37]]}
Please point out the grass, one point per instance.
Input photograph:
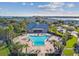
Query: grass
{"points": [[58, 33], [68, 52], [70, 44], [54, 30], [4, 51]]}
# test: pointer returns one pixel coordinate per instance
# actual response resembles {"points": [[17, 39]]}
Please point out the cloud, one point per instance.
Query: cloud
{"points": [[56, 6], [23, 3], [70, 5], [53, 6]]}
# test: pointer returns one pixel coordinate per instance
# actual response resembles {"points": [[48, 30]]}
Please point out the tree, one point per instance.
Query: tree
{"points": [[37, 21], [66, 36], [44, 22], [60, 22], [58, 47], [76, 48], [23, 24], [53, 29], [16, 48], [2, 34], [9, 31]]}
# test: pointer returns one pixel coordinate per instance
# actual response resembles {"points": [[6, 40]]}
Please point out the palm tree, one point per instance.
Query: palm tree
{"points": [[23, 24], [16, 49], [65, 37], [58, 47], [9, 36], [9, 31]]}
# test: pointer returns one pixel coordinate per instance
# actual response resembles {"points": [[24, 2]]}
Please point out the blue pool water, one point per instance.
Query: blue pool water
{"points": [[38, 40]]}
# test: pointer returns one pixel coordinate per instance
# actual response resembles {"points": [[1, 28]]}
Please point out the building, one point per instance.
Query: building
{"points": [[37, 28]]}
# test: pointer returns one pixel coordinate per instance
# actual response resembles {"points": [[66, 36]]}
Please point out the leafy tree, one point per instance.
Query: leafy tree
{"points": [[76, 48]]}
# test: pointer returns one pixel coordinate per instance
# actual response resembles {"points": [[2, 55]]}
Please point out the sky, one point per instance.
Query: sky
{"points": [[39, 8]]}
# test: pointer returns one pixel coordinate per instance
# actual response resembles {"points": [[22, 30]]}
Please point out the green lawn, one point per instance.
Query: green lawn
{"points": [[68, 52], [69, 44], [4, 51], [58, 33], [54, 30]]}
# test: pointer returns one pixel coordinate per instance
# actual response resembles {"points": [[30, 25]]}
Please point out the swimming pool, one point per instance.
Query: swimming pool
{"points": [[38, 40]]}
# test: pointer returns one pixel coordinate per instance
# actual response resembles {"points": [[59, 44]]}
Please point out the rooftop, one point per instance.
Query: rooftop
{"points": [[37, 25]]}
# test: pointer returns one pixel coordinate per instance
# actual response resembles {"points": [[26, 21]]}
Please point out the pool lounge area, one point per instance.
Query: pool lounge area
{"points": [[40, 42], [36, 42]]}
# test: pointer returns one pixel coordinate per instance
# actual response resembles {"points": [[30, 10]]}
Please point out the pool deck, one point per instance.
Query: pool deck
{"points": [[40, 34], [40, 50], [43, 49]]}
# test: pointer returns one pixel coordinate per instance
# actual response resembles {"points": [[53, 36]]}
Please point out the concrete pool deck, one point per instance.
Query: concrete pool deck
{"points": [[40, 34], [43, 49], [47, 48]]}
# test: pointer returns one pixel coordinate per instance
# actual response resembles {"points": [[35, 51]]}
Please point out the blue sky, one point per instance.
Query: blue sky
{"points": [[39, 8]]}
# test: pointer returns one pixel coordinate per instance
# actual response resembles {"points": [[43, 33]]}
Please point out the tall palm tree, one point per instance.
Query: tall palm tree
{"points": [[16, 48], [8, 32]]}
